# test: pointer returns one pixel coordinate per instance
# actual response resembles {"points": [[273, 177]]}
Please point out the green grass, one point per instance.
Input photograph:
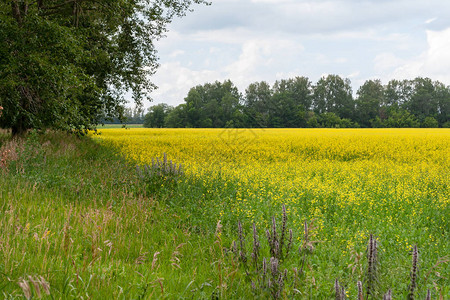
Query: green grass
{"points": [[124, 126], [74, 214], [72, 211]]}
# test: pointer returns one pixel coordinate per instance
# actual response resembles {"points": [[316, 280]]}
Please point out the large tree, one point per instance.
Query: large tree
{"points": [[369, 101], [68, 63], [423, 102], [292, 99], [333, 94], [156, 116], [257, 104], [442, 94], [212, 104]]}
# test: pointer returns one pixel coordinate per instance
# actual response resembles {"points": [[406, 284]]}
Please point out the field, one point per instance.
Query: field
{"points": [[77, 214], [391, 183]]}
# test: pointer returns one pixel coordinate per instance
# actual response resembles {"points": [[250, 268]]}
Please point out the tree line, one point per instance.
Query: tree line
{"points": [[297, 102]]}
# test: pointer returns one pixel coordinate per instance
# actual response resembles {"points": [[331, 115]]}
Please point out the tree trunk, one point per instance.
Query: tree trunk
{"points": [[15, 8], [18, 129], [20, 126]]}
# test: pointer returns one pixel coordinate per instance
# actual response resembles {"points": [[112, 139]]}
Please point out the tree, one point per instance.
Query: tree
{"points": [[156, 116], [397, 93], [398, 118], [368, 103], [257, 104], [423, 102], [333, 94], [442, 94], [66, 64], [177, 117], [133, 115], [430, 122], [292, 99], [212, 104], [331, 120]]}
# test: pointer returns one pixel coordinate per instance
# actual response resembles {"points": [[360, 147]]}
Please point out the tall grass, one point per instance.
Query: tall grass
{"points": [[73, 214], [78, 221]]}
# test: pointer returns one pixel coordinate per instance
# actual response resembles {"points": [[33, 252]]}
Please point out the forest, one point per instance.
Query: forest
{"points": [[298, 103]]}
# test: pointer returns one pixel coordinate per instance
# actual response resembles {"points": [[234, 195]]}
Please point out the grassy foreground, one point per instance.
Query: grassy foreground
{"points": [[77, 221]]}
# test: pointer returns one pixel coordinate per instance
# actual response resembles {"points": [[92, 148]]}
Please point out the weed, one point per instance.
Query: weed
{"points": [[372, 267], [268, 276], [339, 291], [388, 295], [414, 271], [372, 274], [160, 174]]}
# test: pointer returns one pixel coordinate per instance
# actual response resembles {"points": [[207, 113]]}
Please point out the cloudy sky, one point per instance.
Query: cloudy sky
{"points": [[266, 40]]}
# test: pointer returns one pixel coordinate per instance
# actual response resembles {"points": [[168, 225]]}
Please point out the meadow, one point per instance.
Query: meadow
{"points": [[78, 214]]}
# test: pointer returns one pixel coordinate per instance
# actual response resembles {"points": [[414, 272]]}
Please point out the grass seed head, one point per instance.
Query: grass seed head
{"points": [[26, 289], [428, 295], [360, 290], [388, 295], [337, 290]]}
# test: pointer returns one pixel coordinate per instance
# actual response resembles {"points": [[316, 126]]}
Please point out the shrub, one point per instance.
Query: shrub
{"points": [[430, 122]]}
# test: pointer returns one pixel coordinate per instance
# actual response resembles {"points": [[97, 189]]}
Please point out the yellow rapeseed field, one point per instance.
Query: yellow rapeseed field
{"points": [[390, 182]]}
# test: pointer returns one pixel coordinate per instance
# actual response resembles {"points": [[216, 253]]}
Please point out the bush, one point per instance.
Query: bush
{"points": [[430, 122]]}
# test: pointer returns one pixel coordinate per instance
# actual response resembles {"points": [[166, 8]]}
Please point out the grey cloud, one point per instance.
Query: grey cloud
{"points": [[271, 39], [311, 17]]}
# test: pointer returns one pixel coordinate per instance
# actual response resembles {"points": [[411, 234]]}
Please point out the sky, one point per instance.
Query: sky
{"points": [[249, 41]]}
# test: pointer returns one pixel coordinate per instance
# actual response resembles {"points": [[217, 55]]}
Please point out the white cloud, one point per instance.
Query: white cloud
{"points": [[354, 74], [429, 21], [254, 53], [386, 62], [438, 55], [272, 1], [174, 82], [176, 53], [264, 59], [433, 63]]}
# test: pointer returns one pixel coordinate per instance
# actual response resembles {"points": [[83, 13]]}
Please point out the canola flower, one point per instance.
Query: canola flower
{"points": [[352, 182]]}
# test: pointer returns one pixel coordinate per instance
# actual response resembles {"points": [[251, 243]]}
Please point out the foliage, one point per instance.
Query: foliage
{"points": [[296, 102], [331, 120], [369, 102], [430, 122], [211, 105], [332, 94], [67, 64], [397, 119], [156, 116], [258, 104]]}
